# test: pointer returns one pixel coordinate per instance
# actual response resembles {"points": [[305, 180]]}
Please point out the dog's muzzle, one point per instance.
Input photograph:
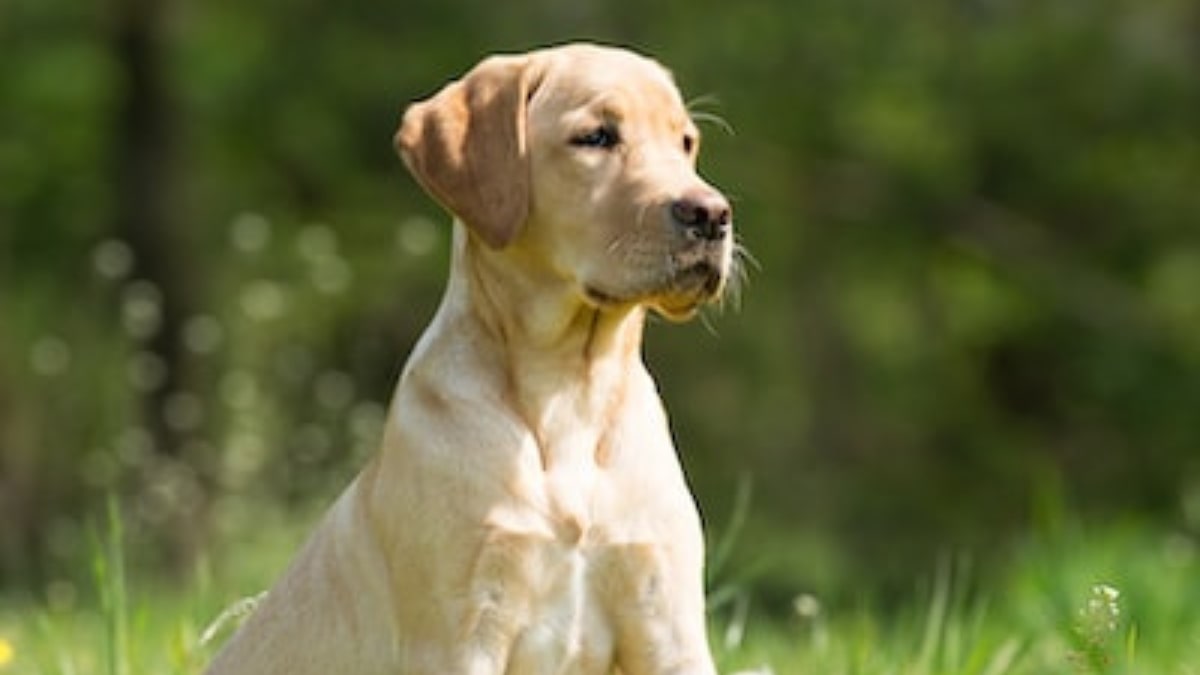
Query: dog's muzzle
{"points": [[703, 215]]}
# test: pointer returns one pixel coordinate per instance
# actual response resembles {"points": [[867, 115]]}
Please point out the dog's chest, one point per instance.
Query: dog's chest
{"points": [[561, 605], [554, 568], [579, 539], [564, 632]]}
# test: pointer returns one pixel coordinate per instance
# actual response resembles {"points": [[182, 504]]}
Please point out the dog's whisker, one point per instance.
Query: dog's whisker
{"points": [[623, 244], [704, 116], [615, 244], [743, 255], [713, 119], [702, 99], [738, 278]]}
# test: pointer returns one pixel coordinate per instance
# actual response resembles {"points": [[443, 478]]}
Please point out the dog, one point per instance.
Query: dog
{"points": [[527, 513]]}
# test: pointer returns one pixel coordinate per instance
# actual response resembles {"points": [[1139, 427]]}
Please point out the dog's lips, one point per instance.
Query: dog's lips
{"points": [[677, 299], [704, 278], [602, 298], [700, 272], [691, 287], [693, 276]]}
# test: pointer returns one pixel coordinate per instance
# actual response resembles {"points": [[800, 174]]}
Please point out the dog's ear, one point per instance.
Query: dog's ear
{"points": [[466, 146]]}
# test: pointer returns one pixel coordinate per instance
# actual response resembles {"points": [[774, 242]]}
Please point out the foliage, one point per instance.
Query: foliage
{"points": [[975, 221]]}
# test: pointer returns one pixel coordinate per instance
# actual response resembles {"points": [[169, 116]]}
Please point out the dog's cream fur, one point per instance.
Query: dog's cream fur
{"points": [[526, 514]]}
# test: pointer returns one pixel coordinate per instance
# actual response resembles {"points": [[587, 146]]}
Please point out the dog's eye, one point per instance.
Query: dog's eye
{"points": [[689, 143], [604, 137]]}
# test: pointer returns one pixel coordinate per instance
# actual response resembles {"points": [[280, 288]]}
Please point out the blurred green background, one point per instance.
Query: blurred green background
{"points": [[975, 313]]}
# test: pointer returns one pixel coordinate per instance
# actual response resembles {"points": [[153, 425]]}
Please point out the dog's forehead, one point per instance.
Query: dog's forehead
{"points": [[589, 76]]}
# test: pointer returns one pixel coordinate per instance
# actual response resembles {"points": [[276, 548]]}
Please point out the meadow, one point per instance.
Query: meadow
{"points": [[1122, 598], [963, 373]]}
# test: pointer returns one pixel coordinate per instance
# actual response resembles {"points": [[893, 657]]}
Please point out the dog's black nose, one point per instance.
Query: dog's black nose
{"points": [[703, 214]]}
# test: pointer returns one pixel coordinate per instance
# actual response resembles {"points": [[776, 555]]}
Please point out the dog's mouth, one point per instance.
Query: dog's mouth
{"points": [[690, 288], [705, 279], [677, 296]]}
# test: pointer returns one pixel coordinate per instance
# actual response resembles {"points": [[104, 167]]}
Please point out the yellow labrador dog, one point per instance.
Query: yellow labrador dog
{"points": [[526, 514]]}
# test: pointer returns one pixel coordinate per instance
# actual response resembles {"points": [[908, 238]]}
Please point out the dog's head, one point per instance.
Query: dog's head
{"points": [[586, 156]]}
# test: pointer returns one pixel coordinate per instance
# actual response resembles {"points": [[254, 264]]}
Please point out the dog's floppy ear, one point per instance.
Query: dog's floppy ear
{"points": [[466, 146]]}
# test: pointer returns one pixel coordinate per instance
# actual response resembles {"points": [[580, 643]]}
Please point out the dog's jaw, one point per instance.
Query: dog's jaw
{"points": [[692, 278]]}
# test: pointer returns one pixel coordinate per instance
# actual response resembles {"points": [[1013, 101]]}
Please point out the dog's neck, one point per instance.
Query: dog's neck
{"points": [[561, 363], [539, 318]]}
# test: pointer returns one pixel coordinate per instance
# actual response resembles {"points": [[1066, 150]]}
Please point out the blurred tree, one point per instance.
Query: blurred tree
{"points": [[975, 226], [148, 218]]}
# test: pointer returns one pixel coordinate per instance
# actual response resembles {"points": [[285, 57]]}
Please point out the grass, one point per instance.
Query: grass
{"points": [[1122, 600]]}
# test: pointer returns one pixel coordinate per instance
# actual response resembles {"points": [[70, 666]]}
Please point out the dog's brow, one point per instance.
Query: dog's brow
{"points": [[607, 105]]}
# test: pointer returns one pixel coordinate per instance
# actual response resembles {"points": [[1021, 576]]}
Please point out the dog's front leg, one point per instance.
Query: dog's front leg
{"points": [[498, 602], [657, 603]]}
